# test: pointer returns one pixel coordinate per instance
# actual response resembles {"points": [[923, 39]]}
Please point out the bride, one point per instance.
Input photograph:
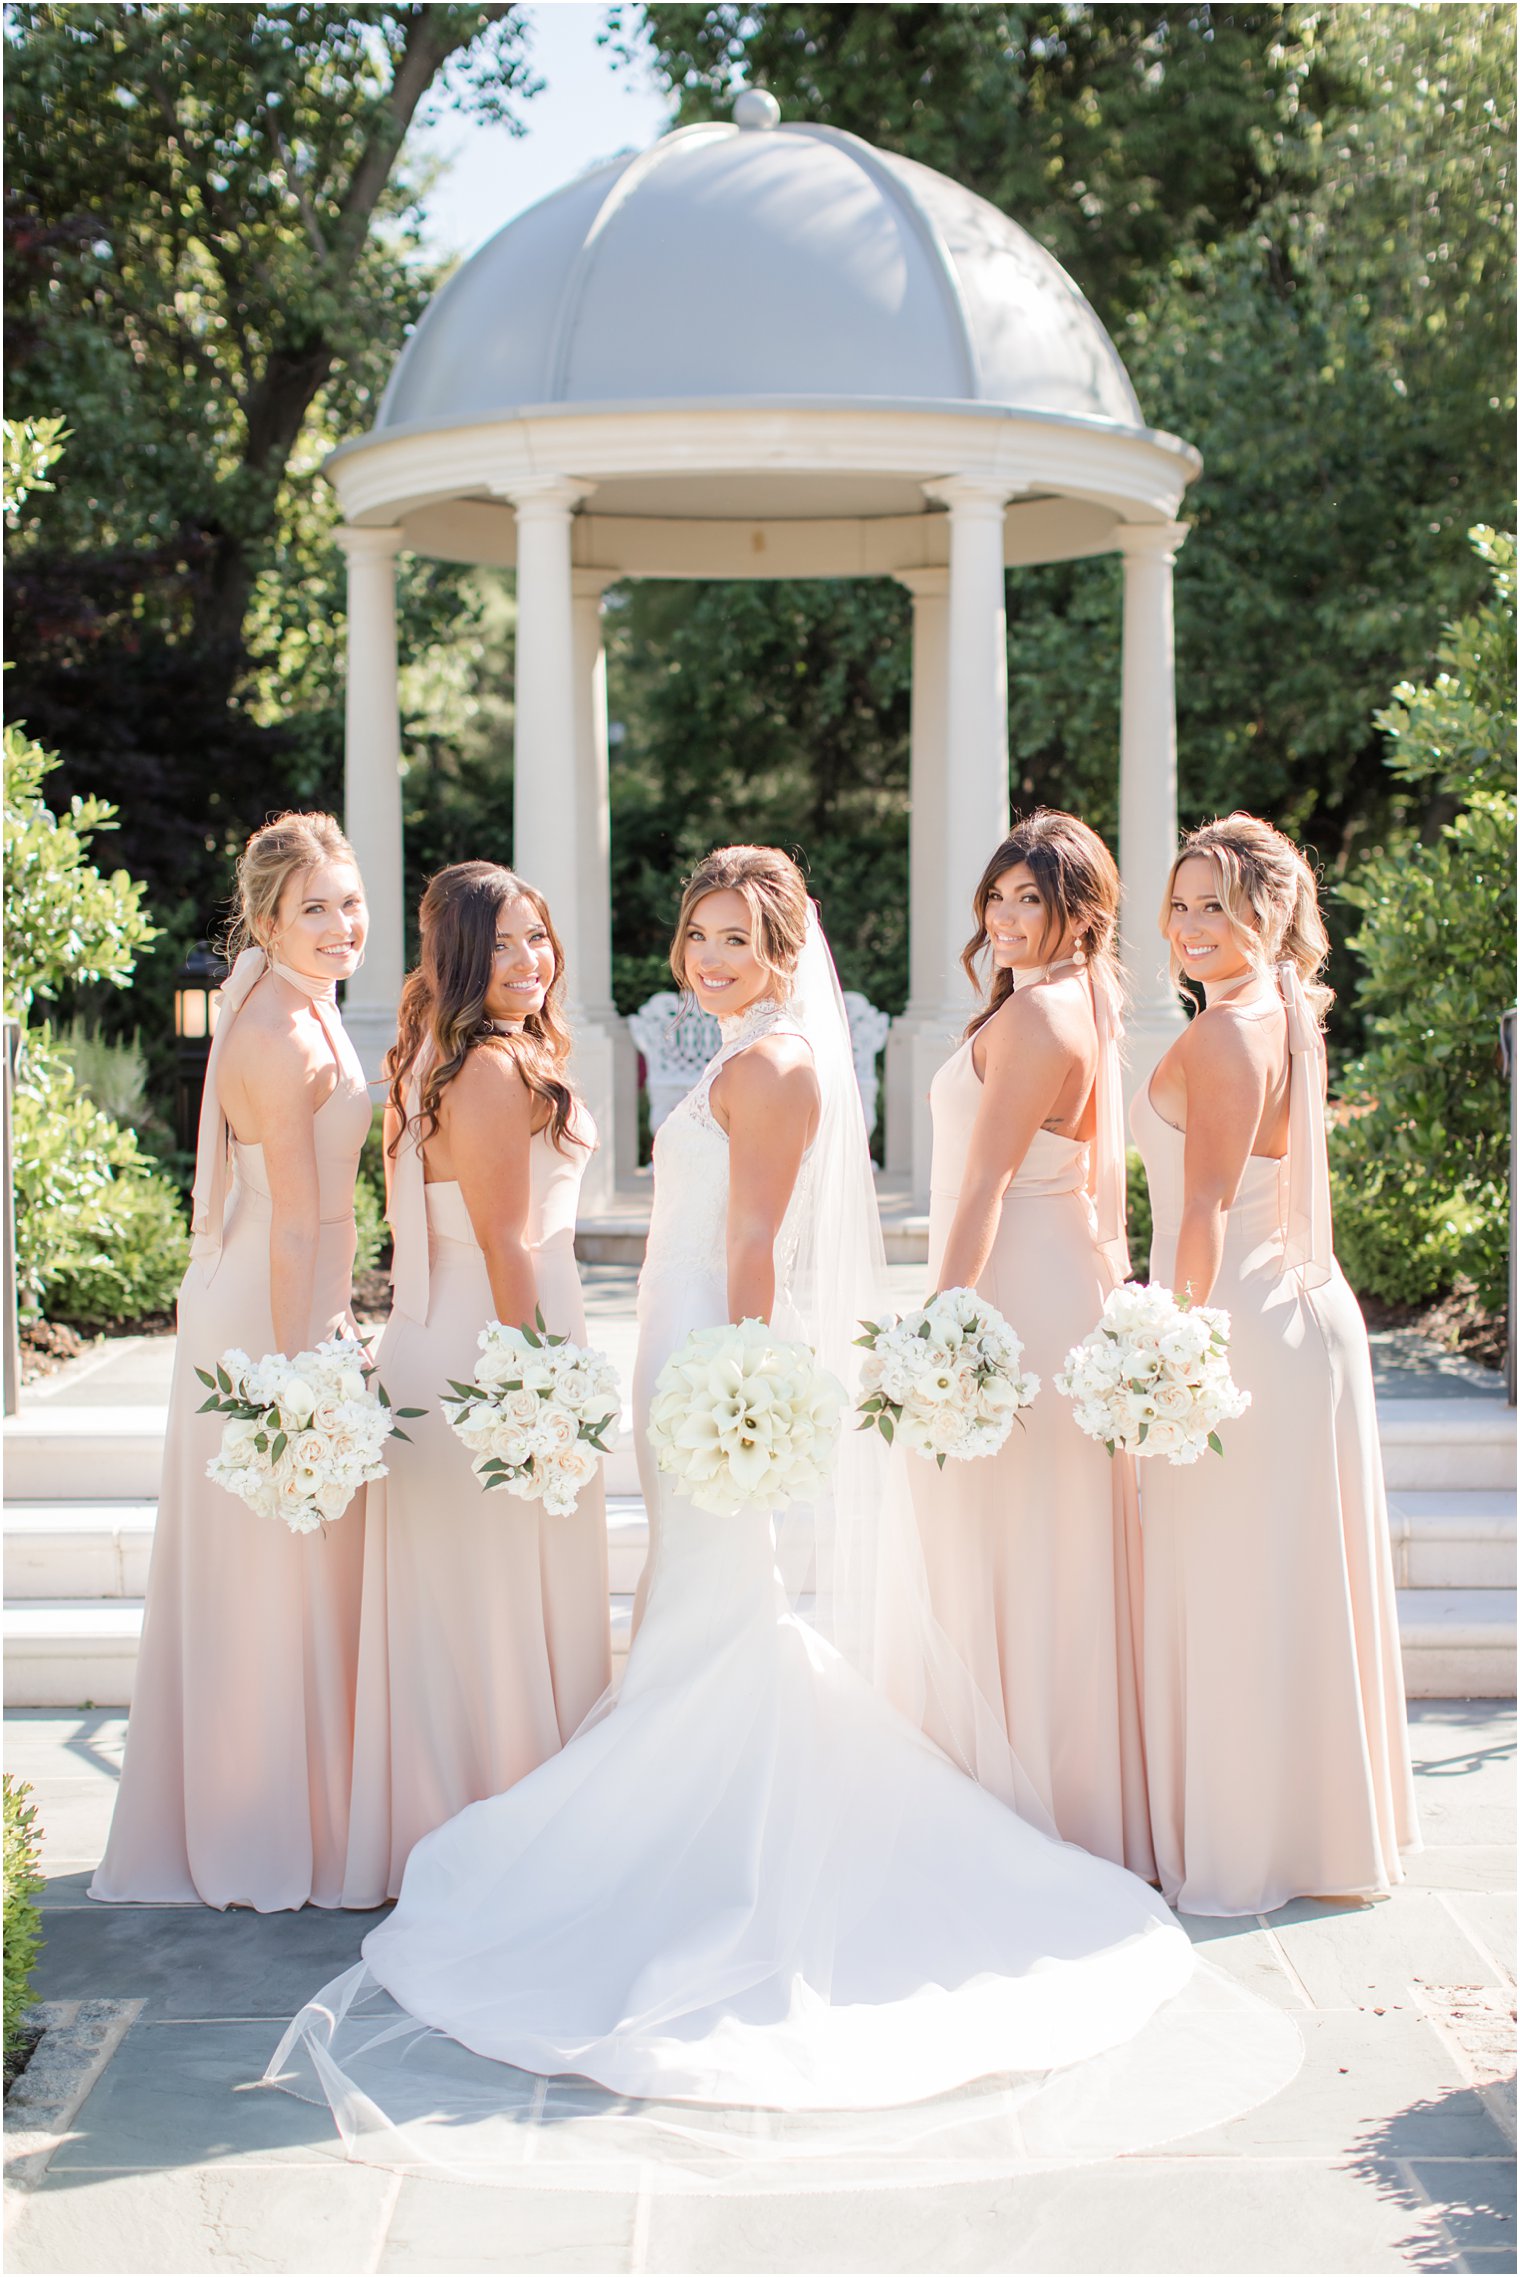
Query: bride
{"points": [[750, 1880]]}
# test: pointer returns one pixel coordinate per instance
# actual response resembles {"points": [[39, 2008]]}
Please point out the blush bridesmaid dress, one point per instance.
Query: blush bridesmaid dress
{"points": [[236, 1782], [1275, 1732], [485, 1631], [1032, 1554]]}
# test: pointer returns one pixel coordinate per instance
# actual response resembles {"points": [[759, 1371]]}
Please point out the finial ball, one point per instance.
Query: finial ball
{"points": [[756, 111]]}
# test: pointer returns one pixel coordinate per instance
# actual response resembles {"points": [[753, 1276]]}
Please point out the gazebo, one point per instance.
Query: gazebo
{"points": [[761, 349]]}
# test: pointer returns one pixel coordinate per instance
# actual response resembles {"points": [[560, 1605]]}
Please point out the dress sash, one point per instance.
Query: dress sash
{"points": [[1309, 1246], [406, 1209], [1106, 1160]]}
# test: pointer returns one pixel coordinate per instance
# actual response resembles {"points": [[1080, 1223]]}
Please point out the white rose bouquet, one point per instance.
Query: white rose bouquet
{"points": [[534, 1414], [946, 1380], [1153, 1377], [302, 1435], [743, 1420]]}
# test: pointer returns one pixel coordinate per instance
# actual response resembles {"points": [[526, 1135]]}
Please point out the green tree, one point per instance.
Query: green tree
{"points": [[99, 1236], [1297, 223], [209, 231], [1422, 1168], [214, 256]]}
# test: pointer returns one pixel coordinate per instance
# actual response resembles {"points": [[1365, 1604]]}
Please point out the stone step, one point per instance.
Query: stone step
{"points": [[1457, 1540], [100, 1550], [1458, 1644], [1435, 1445], [69, 1653], [63, 1653], [96, 1454]]}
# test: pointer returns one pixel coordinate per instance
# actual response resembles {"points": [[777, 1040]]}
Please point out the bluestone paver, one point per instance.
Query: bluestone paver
{"points": [[1382, 2155]]}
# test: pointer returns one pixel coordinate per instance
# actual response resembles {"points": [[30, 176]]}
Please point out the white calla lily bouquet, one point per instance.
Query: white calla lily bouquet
{"points": [[303, 1435], [945, 1380], [743, 1420], [535, 1414], [1153, 1377]]}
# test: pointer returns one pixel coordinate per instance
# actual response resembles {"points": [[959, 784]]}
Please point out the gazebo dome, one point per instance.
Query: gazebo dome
{"points": [[759, 261]]}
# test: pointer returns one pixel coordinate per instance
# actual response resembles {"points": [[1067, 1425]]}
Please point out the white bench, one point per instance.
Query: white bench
{"points": [[677, 1039]]}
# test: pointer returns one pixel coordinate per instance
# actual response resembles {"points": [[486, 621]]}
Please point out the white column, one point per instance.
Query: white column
{"points": [[372, 787], [976, 731], [591, 955], [551, 776], [545, 813], [958, 797], [907, 1096], [1147, 786]]}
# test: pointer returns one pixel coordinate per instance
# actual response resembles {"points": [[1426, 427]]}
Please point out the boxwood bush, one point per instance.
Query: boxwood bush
{"points": [[22, 1921]]}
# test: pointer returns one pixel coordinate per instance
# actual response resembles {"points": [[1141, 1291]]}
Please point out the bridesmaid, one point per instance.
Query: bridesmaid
{"points": [[1273, 1693], [485, 1636], [236, 1784], [1032, 1554]]}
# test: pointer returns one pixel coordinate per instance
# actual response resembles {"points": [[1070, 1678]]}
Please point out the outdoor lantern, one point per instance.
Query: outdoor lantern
{"points": [[196, 1004]]}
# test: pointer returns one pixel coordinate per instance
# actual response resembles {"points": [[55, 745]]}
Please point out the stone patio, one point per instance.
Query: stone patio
{"points": [[1392, 2150]]}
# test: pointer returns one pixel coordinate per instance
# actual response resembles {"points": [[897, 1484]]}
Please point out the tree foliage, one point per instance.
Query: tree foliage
{"points": [[214, 257], [99, 1236], [1422, 1193], [66, 922], [1297, 223]]}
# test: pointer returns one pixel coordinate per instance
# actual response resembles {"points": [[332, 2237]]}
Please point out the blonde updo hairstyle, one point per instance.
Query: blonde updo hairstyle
{"points": [[1078, 886], [1268, 892], [443, 1000], [777, 897], [284, 849]]}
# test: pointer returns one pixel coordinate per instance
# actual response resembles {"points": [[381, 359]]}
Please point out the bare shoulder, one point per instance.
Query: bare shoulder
{"points": [[772, 1066], [1220, 1044], [1029, 1025], [1223, 1060], [270, 1049], [491, 1082]]}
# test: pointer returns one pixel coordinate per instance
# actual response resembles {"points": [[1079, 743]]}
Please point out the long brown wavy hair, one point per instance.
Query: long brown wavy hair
{"points": [[1269, 894], [1078, 885], [443, 1001]]}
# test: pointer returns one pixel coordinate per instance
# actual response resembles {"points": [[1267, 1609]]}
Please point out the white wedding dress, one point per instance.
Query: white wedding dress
{"points": [[748, 1883]]}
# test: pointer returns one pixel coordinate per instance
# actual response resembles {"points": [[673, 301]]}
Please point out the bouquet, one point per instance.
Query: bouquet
{"points": [[1154, 1376], [534, 1413], [744, 1421], [945, 1379], [302, 1435]]}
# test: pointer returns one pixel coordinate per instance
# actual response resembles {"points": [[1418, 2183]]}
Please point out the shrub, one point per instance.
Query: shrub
{"points": [[99, 1237], [1421, 1172], [1140, 1221], [23, 1922], [66, 922], [112, 1075], [369, 1218]]}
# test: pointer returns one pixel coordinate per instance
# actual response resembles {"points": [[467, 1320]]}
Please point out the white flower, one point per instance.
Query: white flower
{"points": [[744, 1420], [535, 1429], [946, 1379], [1152, 1377]]}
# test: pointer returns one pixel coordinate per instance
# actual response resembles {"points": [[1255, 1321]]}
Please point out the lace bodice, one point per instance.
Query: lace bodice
{"points": [[688, 1224]]}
